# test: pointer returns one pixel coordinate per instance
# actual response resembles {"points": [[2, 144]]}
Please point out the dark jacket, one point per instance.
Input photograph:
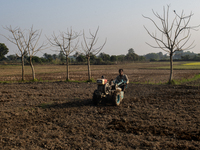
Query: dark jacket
{"points": [[123, 77]]}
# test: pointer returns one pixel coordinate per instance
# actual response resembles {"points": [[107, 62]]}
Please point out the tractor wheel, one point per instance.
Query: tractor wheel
{"points": [[116, 98], [95, 98]]}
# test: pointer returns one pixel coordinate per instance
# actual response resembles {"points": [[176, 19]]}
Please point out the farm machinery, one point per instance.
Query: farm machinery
{"points": [[109, 91]]}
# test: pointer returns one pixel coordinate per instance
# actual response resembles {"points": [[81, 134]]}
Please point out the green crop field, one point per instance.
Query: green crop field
{"points": [[181, 65]]}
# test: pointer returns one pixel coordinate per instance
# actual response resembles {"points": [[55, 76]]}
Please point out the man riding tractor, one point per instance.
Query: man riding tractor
{"points": [[122, 77], [113, 90]]}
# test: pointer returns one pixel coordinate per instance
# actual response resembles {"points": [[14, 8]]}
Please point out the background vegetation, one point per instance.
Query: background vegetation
{"points": [[101, 59]]}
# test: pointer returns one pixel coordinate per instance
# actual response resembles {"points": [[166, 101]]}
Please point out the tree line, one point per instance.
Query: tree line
{"points": [[101, 59], [177, 56], [77, 58], [27, 42]]}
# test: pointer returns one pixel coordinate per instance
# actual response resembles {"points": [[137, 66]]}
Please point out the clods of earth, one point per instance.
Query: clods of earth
{"points": [[61, 115]]}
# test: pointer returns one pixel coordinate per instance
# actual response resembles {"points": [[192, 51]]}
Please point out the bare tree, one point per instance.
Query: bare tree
{"points": [[26, 43], [64, 42], [174, 35], [89, 48], [32, 46]]}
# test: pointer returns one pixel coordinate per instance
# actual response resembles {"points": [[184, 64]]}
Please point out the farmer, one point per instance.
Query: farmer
{"points": [[121, 77]]}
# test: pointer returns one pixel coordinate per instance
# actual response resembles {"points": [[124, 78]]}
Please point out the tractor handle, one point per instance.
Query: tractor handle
{"points": [[122, 82]]}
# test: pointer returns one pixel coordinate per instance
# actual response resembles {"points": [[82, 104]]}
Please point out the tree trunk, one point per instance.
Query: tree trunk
{"points": [[89, 72], [67, 66], [32, 67], [171, 68], [22, 59]]}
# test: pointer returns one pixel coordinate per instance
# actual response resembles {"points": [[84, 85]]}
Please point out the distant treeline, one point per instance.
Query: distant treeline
{"points": [[103, 58], [178, 56], [78, 58]]}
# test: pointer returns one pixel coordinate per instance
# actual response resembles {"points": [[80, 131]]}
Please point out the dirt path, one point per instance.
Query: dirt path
{"points": [[61, 115]]}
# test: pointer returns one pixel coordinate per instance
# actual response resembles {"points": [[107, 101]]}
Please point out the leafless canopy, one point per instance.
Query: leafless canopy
{"points": [[64, 41], [88, 48], [174, 35], [26, 43], [34, 48]]}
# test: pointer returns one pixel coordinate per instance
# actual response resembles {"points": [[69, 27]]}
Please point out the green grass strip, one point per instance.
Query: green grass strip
{"points": [[178, 82]]}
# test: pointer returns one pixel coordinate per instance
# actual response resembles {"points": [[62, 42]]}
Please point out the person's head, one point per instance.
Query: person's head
{"points": [[120, 72]]}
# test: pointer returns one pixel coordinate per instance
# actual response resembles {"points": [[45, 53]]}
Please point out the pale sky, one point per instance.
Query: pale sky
{"points": [[120, 21]]}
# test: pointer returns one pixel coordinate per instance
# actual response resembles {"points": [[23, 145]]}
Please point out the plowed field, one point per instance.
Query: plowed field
{"points": [[61, 115]]}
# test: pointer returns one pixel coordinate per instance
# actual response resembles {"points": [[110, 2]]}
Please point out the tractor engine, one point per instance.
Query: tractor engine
{"points": [[103, 86]]}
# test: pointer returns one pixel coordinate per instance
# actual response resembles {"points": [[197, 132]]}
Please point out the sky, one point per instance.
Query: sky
{"points": [[119, 21]]}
